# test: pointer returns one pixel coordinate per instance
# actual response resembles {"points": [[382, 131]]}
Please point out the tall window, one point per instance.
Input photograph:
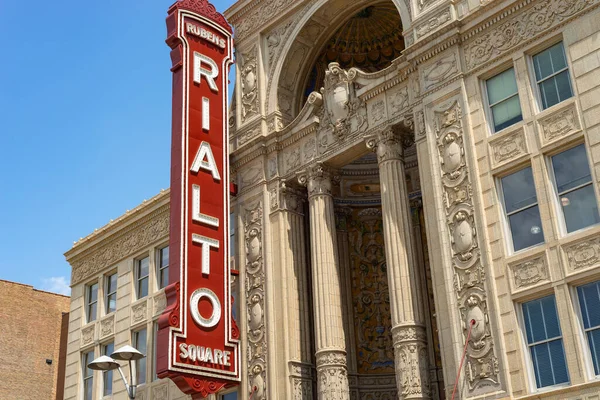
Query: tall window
{"points": [[154, 349], [91, 302], [110, 297], [573, 183], [163, 267], [544, 340], [522, 211], [107, 376], [503, 100], [139, 342], [552, 75], [88, 376], [142, 271], [589, 302]]}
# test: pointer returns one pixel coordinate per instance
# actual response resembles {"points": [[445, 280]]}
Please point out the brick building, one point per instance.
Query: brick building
{"points": [[32, 329]]}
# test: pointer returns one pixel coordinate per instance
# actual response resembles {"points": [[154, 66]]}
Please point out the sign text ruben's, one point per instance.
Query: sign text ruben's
{"points": [[198, 339]]}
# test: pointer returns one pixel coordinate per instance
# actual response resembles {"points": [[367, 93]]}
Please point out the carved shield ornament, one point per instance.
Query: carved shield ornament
{"points": [[336, 96]]}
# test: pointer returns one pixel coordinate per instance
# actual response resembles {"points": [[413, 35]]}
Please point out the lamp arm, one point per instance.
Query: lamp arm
{"points": [[125, 382]]}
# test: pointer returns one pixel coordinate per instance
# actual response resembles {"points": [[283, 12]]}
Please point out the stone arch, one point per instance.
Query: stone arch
{"points": [[304, 39]]}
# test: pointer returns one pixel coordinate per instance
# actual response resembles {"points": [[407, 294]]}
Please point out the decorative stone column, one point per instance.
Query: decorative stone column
{"points": [[408, 326], [332, 374]]}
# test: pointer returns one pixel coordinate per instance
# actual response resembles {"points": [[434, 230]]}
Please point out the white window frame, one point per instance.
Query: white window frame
{"points": [[107, 294], [562, 222], [104, 373], [526, 346], [154, 347], [137, 263], [135, 344], [486, 99], [88, 303], [588, 364], [536, 90], [84, 362], [159, 269], [510, 246]]}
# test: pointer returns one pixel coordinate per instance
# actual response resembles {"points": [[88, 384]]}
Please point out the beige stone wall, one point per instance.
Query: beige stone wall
{"points": [[30, 335]]}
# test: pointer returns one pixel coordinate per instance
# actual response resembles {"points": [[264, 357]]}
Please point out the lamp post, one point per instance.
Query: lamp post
{"points": [[125, 353]]}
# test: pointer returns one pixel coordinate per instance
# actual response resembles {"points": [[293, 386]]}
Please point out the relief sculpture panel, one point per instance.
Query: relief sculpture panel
{"points": [[482, 372]]}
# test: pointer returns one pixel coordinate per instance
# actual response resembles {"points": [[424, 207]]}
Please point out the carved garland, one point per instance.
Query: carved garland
{"points": [[255, 303], [482, 371]]}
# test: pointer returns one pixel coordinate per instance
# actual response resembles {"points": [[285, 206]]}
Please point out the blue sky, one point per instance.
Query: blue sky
{"points": [[85, 111]]}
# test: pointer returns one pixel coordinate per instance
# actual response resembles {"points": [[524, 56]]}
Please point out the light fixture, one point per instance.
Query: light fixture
{"points": [[125, 353]]}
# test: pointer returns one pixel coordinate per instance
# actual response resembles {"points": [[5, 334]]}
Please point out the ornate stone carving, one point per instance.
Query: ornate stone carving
{"points": [[107, 326], [309, 149], [522, 27], [378, 111], [249, 84], [255, 301], [439, 71], [87, 334], [301, 374], [411, 361], [332, 376], [482, 371], [420, 128], [160, 392], [424, 3], [433, 23], [259, 16], [247, 135], [344, 112], [160, 302], [583, 254], [508, 147], [274, 40], [318, 179], [139, 312], [530, 272], [292, 159], [389, 143], [560, 124], [272, 167], [398, 102], [139, 235], [252, 174]]}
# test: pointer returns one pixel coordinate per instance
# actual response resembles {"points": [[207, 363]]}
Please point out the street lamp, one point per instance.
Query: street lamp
{"points": [[125, 353]]}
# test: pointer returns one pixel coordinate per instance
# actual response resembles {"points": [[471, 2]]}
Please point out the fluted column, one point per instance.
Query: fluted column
{"points": [[408, 327], [332, 374]]}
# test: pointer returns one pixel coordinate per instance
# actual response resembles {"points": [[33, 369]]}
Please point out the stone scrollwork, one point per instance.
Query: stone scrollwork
{"points": [[583, 254], [345, 113], [318, 179], [87, 334], [301, 374], [509, 147], [255, 302], [411, 364], [520, 28], [560, 124], [482, 371], [389, 143], [139, 312], [249, 84], [433, 23], [439, 71], [530, 272], [332, 376], [107, 326]]}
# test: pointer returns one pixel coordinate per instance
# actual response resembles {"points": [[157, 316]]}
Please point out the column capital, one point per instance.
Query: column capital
{"points": [[318, 179], [390, 142], [286, 198]]}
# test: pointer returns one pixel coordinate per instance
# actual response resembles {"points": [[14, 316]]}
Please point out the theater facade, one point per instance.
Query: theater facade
{"points": [[417, 205]]}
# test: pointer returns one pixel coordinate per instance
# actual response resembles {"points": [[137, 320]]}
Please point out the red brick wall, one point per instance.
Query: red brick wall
{"points": [[30, 333]]}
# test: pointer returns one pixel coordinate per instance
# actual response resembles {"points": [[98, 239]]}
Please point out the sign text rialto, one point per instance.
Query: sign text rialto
{"points": [[198, 339]]}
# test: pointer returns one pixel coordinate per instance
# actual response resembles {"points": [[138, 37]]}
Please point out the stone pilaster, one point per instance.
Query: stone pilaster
{"points": [[332, 374], [408, 322]]}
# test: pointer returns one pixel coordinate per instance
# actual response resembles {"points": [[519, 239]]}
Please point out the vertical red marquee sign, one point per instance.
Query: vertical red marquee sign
{"points": [[197, 338]]}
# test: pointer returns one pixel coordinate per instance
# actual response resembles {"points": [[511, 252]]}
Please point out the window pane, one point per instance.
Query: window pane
{"points": [[88, 386], [594, 343], [563, 85], [558, 57], [93, 292], [559, 363], [88, 358], [589, 301], [526, 228], [230, 396], [580, 208], [143, 267], [571, 168], [140, 344], [92, 312], [543, 65], [142, 288], [164, 277], [164, 257], [549, 92], [501, 86], [506, 113], [534, 321], [108, 375], [540, 356], [111, 303], [519, 190], [550, 317]]}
